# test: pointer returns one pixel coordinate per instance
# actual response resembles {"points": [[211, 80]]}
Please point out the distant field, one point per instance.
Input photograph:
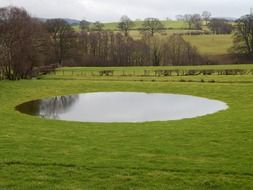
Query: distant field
{"points": [[206, 44], [211, 44], [138, 24], [136, 34]]}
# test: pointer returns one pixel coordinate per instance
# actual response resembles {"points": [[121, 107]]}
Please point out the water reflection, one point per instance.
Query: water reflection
{"points": [[122, 107], [49, 108]]}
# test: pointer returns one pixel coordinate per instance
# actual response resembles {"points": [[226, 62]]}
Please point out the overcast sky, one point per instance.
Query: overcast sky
{"points": [[112, 10]]}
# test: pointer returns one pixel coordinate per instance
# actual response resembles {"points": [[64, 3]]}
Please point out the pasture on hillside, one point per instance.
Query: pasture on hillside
{"points": [[211, 44]]}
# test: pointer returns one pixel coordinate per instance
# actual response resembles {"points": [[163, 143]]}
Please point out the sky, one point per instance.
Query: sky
{"points": [[112, 10]]}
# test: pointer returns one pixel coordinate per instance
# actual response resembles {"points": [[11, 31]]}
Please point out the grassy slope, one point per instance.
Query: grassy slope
{"points": [[207, 44], [210, 152], [211, 44]]}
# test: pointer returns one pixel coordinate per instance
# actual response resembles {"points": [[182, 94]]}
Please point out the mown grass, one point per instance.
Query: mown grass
{"points": [[210, 152]]}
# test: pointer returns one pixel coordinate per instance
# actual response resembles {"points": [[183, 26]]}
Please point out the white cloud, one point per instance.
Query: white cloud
{"points": [[111, 10]]}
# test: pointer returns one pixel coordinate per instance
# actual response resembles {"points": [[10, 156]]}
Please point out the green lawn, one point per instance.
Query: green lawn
{"points": [[210, 152]]}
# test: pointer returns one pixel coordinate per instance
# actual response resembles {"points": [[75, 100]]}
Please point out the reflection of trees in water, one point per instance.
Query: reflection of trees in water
{"points": [[52, 107]]}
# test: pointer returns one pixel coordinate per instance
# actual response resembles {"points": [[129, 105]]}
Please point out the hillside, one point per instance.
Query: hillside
{"points": [[213, 46], [169, 24]]}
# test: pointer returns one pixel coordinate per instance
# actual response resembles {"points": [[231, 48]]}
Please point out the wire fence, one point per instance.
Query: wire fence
{"points": [[152, 73], [144, 73]]}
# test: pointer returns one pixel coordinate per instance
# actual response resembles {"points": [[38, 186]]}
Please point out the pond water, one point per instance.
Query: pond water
{"points": [[121, 107]]}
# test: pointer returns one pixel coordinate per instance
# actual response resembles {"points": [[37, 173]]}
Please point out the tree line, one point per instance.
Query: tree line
{"points": [[154, 25], [27, 43]]}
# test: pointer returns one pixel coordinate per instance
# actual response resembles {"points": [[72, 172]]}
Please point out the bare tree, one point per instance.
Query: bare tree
{"points": [[84, 25], [188, 20], [206, 15], [61, 33], [194, 21], [220, 26], [114, 49], [125, 24], [156, 51], [243, 39], [109, 49], [176, 51], [152, 25], [179, 17], [98, 26], [21, 43]]}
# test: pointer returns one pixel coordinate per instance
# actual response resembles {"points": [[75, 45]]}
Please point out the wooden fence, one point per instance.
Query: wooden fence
{"points": [[1, 74], [43, 70]]}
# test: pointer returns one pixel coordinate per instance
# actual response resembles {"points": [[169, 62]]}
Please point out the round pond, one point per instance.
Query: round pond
{"points": [[122, 107]]}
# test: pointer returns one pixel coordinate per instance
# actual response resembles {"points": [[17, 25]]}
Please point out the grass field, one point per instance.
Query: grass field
{"points": [[138, 24], [113, 26], [210, 152], [207, 44], [211, 44]]}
